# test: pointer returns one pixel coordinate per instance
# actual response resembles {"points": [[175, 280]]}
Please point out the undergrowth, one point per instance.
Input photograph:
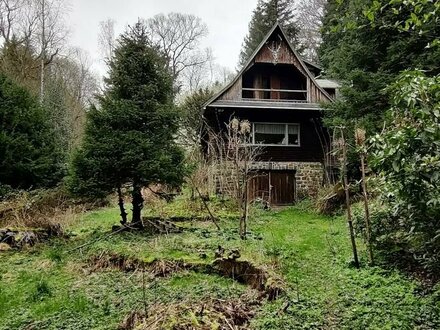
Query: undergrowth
{"points": [[53, 286]]}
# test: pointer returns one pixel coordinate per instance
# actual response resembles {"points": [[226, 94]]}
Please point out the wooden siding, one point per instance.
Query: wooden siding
{"points": [[285, 56], [310, 149], [234, 92]]}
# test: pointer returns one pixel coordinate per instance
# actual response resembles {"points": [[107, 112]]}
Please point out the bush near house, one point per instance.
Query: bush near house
{"points": [[407, 156]]}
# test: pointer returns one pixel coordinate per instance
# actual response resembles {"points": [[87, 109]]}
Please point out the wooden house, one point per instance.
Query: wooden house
{"points": [[281, 95]]}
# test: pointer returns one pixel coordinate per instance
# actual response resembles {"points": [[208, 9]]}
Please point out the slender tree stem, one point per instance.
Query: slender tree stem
{"points": [[43, 48], [367, 211], [207, 208], [347, 200]]}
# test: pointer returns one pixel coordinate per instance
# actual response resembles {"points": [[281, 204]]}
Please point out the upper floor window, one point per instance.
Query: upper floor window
{"points": [[274, 134]]}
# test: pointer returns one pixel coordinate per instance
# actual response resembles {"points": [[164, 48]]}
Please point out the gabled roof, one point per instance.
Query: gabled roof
{"points": [[254, 54]]}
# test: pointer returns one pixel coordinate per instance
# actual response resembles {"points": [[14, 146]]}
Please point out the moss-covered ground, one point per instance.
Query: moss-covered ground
{"points": [[52, 286]]}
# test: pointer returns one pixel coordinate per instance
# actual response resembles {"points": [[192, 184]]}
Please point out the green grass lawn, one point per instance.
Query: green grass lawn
{"points": [[51, 287]]}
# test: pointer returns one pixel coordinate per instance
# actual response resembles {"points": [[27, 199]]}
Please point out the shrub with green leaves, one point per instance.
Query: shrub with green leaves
{"points": [[407, 156]]}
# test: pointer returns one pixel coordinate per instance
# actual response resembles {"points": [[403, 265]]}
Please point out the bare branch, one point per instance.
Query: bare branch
{"points": [[106, 37], [309, 14], [178, 36]]}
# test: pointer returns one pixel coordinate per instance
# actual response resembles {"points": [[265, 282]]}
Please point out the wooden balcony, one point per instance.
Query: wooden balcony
{"points": [[275, 95]]}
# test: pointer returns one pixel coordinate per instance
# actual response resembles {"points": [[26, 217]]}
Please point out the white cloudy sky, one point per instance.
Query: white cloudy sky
{"points": [[227, 22]]}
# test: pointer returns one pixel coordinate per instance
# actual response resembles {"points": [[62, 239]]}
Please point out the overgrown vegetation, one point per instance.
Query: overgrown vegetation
{"points": [[372, 45], [407, 155], [52, 287], [64, 267]]}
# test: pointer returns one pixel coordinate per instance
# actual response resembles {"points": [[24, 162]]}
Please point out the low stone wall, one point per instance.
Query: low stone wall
{"points": [[309, 176]]}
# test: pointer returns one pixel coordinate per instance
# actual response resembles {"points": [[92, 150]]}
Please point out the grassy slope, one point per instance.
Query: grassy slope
{"points": [[52, 289]]}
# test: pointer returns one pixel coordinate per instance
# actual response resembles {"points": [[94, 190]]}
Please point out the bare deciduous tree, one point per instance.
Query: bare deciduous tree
{"points": [[178, 36], [36, 24], [362, 150], [52, 33], [106, 37], [341, 145], [308, 15], [18, 20], [233, 155], [72, 82], [198, 76]]}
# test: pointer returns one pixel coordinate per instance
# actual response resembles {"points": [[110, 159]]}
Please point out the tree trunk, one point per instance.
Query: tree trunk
{"points": [[138, 203], [367, 211], [121, 207], [347, 202], [43, 50]]}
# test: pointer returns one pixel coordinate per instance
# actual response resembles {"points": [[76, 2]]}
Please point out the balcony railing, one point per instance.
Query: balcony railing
{"points": [[277, 95]]}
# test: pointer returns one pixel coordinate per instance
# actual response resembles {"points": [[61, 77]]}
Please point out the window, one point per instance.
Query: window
{"points": [[275, 134]]}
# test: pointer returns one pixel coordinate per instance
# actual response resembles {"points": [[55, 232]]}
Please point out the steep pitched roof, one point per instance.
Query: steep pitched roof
{"points": [[255, 53]]}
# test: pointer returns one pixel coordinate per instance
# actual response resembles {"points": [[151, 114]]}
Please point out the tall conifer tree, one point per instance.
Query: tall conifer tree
{"points": [[29, 154], [369, 57], [130, 137], [267, 13]]}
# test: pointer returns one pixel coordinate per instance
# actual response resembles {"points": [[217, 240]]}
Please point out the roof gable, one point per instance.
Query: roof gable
{"points": [[275, 48]]}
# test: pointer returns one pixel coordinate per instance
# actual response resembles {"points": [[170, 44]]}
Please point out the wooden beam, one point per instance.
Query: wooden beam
{"points": [[276, 90]]}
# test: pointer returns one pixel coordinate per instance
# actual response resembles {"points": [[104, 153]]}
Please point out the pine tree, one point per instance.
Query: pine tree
{"points": [[29, 156], [368, 58], [130, 137], [267, 13]]}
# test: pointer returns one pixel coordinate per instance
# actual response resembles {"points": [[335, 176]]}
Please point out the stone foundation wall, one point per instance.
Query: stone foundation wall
{"points": [[309, 176]]}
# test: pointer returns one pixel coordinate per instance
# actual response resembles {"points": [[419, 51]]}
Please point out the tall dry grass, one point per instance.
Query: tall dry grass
{"points": [[45, 209]]}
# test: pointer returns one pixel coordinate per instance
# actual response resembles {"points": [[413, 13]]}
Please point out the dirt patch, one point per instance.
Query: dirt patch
{"points": [[157, 268], [175, 219], [150, 225], [269, 285], [204, 315], [257, 278]]}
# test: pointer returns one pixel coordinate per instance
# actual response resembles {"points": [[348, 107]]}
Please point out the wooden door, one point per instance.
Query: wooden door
{"points": [[275, 187], [259, 187], [283, 187]]}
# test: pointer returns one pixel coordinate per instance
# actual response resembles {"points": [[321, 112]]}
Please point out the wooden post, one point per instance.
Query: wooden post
{"points": [[347, 199]]}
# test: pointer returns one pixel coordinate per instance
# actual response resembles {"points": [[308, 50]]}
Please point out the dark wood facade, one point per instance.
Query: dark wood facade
{"points": [[313, 137], [276, 87]]}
